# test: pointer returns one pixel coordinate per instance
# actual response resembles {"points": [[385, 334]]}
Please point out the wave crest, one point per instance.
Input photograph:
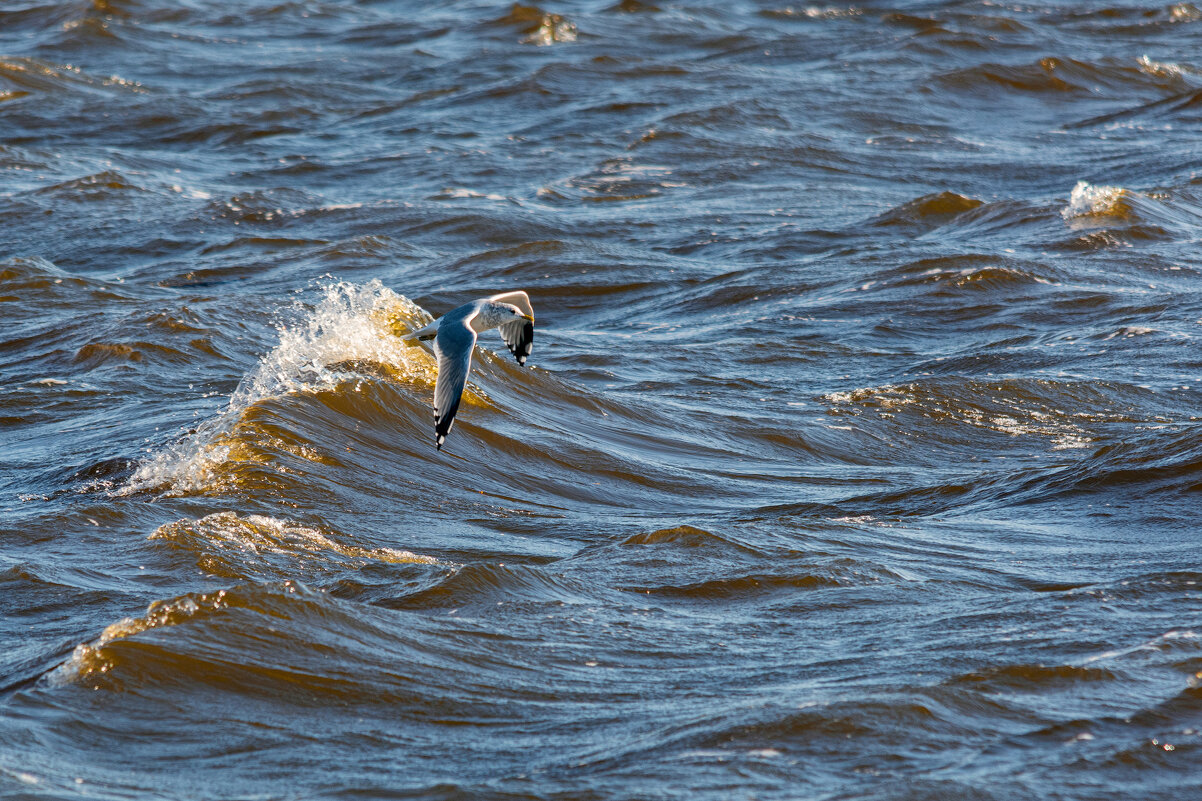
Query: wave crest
{"points": [[352, 330], [238, 547], [1088, 200]]}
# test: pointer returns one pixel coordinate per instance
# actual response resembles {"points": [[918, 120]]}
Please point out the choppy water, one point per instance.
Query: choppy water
{"points": [[858, 458]]}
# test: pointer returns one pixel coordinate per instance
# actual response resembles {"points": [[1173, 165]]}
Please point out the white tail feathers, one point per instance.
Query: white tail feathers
{"points": [[422, 338], [422, 333]]}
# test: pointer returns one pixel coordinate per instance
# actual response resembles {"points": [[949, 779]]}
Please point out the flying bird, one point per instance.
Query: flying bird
{"points": [[454, 336]]}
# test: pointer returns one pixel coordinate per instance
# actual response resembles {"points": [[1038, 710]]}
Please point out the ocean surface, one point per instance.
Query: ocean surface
{"points": [[859, 455]]}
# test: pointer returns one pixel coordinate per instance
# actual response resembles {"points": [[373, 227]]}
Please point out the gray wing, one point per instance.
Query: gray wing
{"points": [[453, 345], [518, 335]]}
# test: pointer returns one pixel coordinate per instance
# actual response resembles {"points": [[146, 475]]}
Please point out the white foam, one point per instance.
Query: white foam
{"points": [[225, 532], [1184, 12], [349, 323], [1164, 69], [552, 29], [820, 12], [1087, 199], [456, 193]]}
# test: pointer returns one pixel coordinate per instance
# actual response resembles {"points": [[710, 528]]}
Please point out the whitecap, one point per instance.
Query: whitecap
{"points": [[253, 535], [350, 324], [1087, 199]]}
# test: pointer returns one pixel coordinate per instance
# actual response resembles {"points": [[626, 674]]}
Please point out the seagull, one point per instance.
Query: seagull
{"points": [[454, 336]]}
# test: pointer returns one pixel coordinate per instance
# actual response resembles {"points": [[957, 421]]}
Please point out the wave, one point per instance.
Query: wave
{"points": [[105, 185], [694, 567], [1032, 678], [1131, 215], [617, 179], [954, 409], [1087, 200], [295, 647], [30, 75], [39, 338], [689, 537], [341, 391], [254, 546], [28, 274], [271, 640], [479, 586], [948, 217], [965, 273], [929, 210], [755, 586], [654, 556], [1122, 214], [98, 354], [1107, 216], [1126, 21], [813, 12], [264, 206], [539, 27], [1163, 464], [352, 329], [1048, 75], [1164, 584], [1169, 108]]}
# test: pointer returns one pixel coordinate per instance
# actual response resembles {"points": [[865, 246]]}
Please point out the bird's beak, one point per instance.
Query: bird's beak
{"points": [[529, 317]]}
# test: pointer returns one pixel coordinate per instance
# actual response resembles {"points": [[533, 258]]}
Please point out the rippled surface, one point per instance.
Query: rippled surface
{"points": [[858, 456]]}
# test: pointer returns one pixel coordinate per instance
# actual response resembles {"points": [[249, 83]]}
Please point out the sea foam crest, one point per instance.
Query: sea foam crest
{"points": [[224, 537], [350, 324], [1088, 199]]}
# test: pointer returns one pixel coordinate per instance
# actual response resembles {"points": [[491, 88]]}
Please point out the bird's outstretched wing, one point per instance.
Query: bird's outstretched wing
{"points": [[518, 335], [453, 345]]}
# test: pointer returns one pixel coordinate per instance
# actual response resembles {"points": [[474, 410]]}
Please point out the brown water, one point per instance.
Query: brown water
{"points": [[857, 458]]}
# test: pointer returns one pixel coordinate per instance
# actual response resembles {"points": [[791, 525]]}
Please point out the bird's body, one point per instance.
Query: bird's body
{"points": [[454, 335]]}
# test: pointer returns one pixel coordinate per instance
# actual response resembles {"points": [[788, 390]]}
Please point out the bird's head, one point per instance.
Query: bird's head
{"points": [[509, 308]]}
